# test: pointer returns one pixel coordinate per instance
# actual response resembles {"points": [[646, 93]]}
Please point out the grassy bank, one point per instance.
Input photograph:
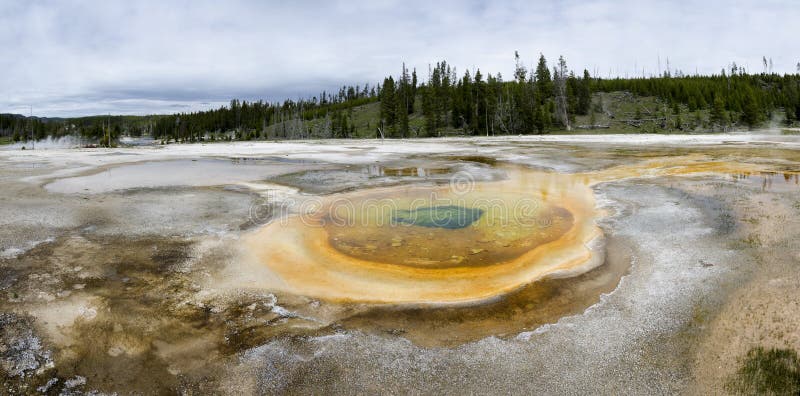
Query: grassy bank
{"points": [[611, 113]]}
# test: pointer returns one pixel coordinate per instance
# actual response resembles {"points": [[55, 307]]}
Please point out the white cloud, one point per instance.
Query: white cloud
{"points": [[84, 57]]}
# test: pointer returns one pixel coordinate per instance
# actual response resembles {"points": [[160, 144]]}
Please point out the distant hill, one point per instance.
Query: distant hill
{"points": [[539, 100]]}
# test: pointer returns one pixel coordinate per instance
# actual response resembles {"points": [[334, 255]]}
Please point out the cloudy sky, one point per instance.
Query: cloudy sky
{"points": [[69, 58]]}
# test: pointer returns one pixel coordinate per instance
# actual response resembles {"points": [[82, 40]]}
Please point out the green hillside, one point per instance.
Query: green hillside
{"points": [[611, 112], [539, 100]]}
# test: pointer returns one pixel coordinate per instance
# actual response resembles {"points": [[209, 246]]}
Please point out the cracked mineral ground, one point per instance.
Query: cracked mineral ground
{"points": [[557, 265]]}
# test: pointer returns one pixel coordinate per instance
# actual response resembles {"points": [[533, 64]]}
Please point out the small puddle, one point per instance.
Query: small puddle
{"points": [[768, 181], [378, 170], [158, 174], [327, 181]]}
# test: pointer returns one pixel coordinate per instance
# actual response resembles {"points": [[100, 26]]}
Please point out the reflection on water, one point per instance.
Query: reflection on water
{"points": [[379, 170], [327, 181], [766, 180]]}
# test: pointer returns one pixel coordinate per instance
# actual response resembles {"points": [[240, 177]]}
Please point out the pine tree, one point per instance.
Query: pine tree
{"points": [[519, 70], [584, 94], [561, 93], [404, 102], [428, 110], [541, 119], [483, 104], [751, 111], [544, 83], [791, 116], [413, 90], [481, 114], [388, 103], [343, 129], [718, 114], [444, 94]]}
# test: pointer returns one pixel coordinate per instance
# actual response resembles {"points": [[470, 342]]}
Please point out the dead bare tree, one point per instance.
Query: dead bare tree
{"points": [[561, 93], [293, 125], [503, 115], [325, 128], [380, 130]]}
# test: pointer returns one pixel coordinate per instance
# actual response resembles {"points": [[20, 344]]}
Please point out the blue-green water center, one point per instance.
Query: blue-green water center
{"points": [[446, 216]]}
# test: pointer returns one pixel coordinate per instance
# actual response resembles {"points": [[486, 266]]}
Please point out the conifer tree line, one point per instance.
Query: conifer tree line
{"points": [[732, 97], [533, 101], [94, 129], [324, 116], [444, 101]]}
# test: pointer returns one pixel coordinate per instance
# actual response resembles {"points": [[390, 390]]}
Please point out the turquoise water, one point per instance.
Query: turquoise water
{"points": [[447, 216]]}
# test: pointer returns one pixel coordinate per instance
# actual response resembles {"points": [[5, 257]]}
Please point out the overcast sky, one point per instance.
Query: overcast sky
{"points": [[69, 58]]}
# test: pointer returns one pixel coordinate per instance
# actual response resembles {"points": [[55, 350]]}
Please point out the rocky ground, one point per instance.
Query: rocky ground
{"points": [[120, 272]]}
